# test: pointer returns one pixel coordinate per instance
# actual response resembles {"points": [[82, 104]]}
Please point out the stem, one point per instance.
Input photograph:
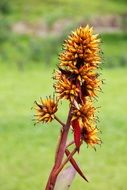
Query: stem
{"points": [[66, 160], [59, 153], [75, 165], [57, 119], [69, 144]]}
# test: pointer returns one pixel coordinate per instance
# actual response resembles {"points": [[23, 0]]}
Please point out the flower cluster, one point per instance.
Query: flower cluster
{"points": [[77, 80]]}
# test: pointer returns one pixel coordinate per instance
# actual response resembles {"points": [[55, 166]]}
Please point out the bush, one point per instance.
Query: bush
{"points": [[5, 7], [115, 61], [4, 29]]}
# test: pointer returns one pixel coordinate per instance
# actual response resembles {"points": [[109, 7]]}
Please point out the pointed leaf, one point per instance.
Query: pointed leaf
{"points": [[77, 133], [75, 165]]}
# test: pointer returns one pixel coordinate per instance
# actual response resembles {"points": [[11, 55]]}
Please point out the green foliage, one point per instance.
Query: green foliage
{"points": [[5, 7], [114, 48], [5, 32], [32, 10]]}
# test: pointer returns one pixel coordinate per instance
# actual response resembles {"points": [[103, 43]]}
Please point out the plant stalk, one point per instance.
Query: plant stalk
{"points": [[59, 153]]}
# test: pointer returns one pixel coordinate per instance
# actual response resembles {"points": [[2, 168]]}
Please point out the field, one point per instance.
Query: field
{"points": [[51, 10], [27, 151]]}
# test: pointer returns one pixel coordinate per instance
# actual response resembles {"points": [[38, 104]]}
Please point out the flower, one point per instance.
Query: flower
{"points": [[84, 112], [78, 64], [65, 88], [83, 132], [89, 135], [78, 81], [81, 48], [45, 110], [83, 122]]}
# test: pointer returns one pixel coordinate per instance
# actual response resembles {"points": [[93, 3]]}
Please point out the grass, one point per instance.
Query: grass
{"points": [[114, 44], [37, 10], [114, 47], [27, 152]]}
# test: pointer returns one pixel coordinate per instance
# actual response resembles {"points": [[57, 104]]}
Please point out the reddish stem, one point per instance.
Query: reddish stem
{"points": [[66, 160], [59, 154]]}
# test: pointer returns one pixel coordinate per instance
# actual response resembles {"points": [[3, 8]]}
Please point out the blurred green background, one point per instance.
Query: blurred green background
{"points": [[31, 37]]}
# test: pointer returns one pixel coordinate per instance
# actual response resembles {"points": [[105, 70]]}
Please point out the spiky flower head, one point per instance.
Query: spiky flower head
{"points": [[77, 80], [84, 124], [90, 136], [78, 64], [81, 48], [66, 89], [85, 111], [45, 110]]}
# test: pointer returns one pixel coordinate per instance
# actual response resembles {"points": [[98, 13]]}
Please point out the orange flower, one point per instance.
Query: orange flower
{"points": [[81, 48], [78, 64], [84, 112], [65, 88], [89, 135], [83, 120], [45, 110], [83, 132], [77, 80]]}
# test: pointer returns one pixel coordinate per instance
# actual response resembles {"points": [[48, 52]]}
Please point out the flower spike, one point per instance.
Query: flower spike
{"points": [[78, 81]]}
